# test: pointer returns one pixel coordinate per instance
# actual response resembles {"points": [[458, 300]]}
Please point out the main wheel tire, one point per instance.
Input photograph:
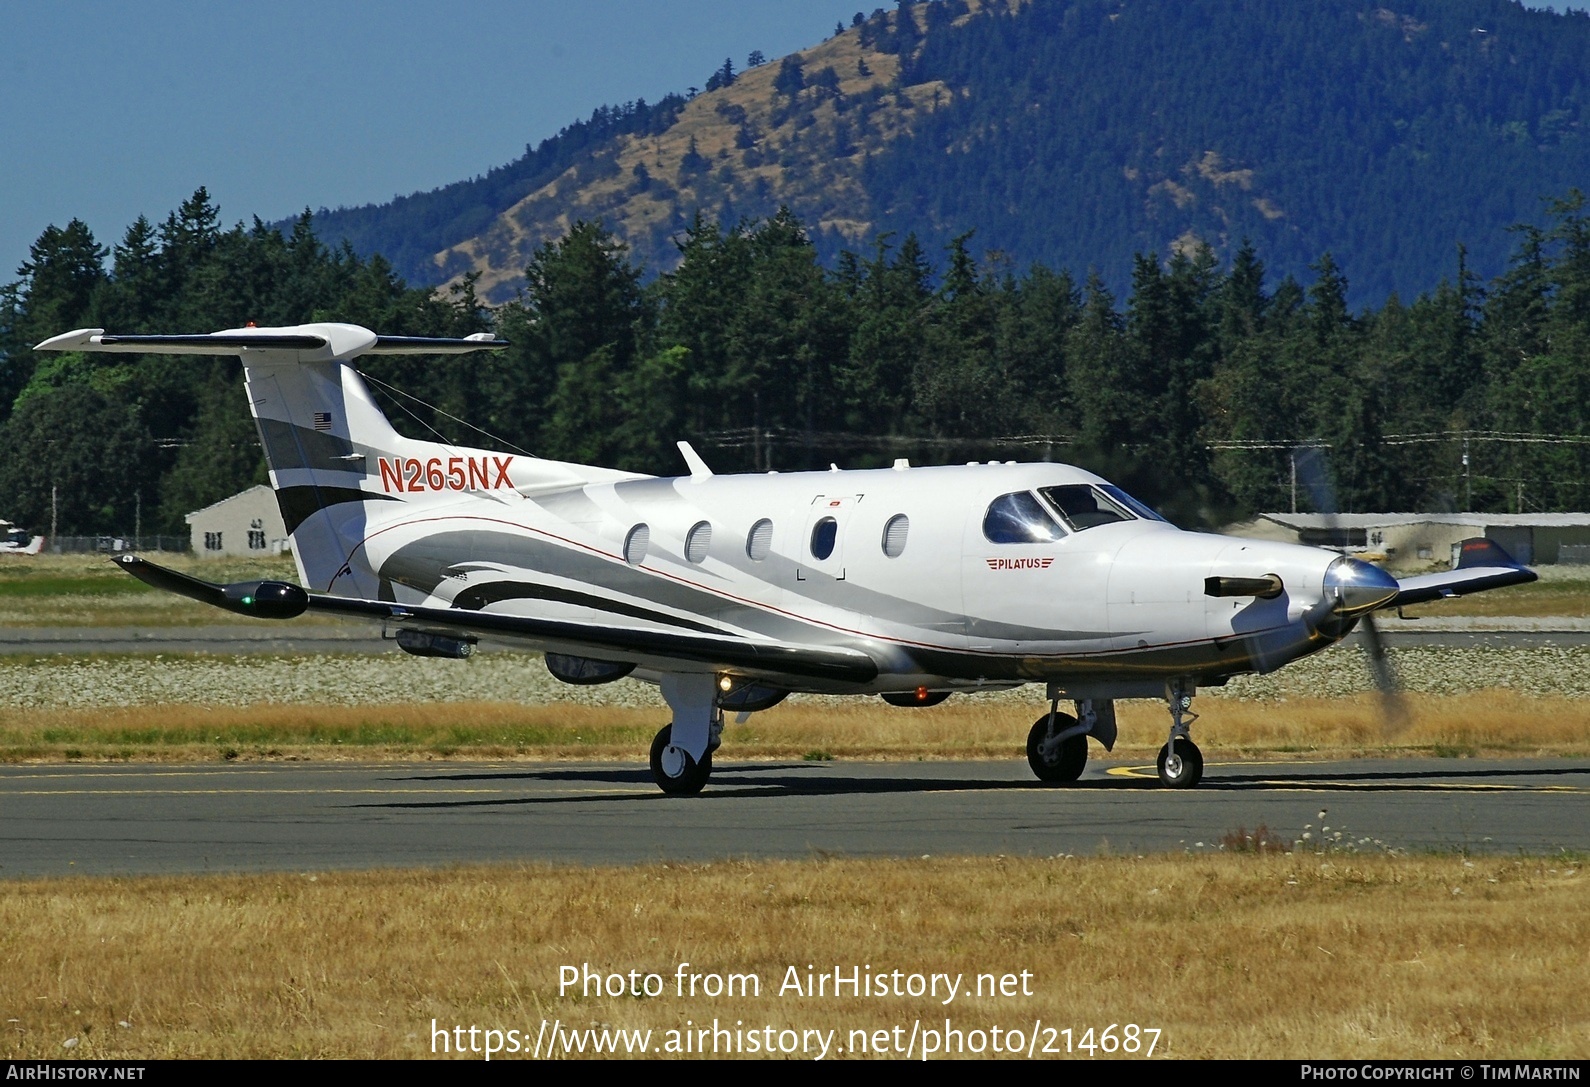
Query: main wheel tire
{"points": [[1064, 763], [1183, 768], [687, 777]]}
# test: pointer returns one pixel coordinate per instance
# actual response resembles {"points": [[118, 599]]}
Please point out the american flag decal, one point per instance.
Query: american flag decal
{"points": [[322, 420]]}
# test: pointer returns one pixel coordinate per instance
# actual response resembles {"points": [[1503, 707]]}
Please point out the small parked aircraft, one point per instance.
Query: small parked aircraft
{"points": [[732, 591]]}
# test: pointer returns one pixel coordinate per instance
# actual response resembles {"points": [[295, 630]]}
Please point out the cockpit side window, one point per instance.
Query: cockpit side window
{"points": [[1084, 506], [1018, 518]]}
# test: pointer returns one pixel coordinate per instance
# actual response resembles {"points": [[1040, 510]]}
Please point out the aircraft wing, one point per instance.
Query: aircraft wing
{"points": [[282, 600], [1482, 565]]}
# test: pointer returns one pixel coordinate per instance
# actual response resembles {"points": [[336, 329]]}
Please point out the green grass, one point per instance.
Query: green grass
{"points": [[12, 588]]}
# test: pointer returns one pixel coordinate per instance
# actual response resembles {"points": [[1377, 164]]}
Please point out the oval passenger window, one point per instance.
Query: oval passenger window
{"points": [[824, 533], [698, 541], [635, 544], [759, 543], [894, 534]]}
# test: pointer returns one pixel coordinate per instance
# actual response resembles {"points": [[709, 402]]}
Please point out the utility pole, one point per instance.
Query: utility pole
{"points": [[1294, 480], [138, 520], [53, 540], [1468, 486]]}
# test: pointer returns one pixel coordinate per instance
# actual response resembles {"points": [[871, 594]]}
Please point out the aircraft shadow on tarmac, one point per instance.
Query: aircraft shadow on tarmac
{"points": [[804, 779]]}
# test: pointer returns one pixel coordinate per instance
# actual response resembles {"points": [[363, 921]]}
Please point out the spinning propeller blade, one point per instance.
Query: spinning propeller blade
{"points": [[1313, 472]]}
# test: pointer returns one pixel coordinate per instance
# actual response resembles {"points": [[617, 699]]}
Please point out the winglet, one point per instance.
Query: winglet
{"points": [[71, 341], [1482, 564], [1479, 551], [698, 467]]}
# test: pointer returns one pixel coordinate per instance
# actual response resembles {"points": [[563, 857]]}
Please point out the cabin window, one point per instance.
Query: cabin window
{"points": [[759, 542], [824, 535], [1086, 507], [1018, 518], [636, 543], [698, 541], [894, 534]]}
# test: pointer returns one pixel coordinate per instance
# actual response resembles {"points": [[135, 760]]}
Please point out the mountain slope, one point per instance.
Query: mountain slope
{"points": [[743, 149], [1077, 133]]}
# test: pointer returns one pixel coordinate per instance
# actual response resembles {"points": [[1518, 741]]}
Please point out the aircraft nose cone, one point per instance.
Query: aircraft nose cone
{"points": [[1355, 586]]}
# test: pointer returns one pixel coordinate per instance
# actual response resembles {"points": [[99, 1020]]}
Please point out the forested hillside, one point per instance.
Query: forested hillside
{"points": [[1190, 389], [1076, 133]]}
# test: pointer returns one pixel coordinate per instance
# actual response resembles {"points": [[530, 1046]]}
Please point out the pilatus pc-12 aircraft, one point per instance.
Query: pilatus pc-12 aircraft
{"points": [[730, 592]]}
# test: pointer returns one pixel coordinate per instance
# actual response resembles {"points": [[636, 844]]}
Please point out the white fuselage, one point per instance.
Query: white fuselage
{"points": [[1116, 604]]}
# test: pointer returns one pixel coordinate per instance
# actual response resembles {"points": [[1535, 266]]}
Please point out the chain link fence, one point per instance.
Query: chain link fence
{"points": [[111, 544]]}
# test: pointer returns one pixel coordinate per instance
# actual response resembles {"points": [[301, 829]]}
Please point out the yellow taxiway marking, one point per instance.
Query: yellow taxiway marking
{"points": [[1431, 786]]}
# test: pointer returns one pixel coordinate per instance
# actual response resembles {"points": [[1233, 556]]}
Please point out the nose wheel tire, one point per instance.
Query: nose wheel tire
{"points": [[1181, 764], [1056, 762], [676, 772]]}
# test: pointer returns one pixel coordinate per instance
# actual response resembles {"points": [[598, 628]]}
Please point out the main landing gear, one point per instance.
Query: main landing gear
{"points": [[681, 753], [1057, 746], [1181, 764]]}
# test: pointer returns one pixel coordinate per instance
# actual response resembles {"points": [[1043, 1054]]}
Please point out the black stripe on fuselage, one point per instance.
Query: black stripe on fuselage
{"points": [[477, 597]]}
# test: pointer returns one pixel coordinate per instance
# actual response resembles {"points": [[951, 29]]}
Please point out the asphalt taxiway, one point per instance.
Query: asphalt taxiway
{"points": [[130, 819]]}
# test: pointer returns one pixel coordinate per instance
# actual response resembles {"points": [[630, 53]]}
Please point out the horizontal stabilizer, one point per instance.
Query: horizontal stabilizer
{"points": [[322, 342]]}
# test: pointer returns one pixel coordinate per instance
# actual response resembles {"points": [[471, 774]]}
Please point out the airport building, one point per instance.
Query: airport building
{"points": [[1430, 540], [248, 523]]}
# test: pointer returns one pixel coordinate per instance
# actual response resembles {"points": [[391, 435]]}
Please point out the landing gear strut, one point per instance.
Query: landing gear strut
{"points": [[1181, 764]]}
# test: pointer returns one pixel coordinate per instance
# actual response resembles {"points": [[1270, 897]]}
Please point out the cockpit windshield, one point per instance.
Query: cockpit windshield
{"points": [[1085, 506], [1021, 518]]}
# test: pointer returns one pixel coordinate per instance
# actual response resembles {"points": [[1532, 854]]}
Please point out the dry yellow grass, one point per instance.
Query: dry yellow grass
{"points": [[1478, 723], [1228, 956]]}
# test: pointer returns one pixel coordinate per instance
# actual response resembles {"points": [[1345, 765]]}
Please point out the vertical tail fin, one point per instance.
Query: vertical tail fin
{"points": [[323, 433]]}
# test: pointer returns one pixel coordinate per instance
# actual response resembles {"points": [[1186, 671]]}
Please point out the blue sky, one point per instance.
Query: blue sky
{"points": [[115, 110], [111, 110]]}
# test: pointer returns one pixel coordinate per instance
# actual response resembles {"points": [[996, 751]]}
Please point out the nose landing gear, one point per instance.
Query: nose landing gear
{"points": [[1181, 764]]}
